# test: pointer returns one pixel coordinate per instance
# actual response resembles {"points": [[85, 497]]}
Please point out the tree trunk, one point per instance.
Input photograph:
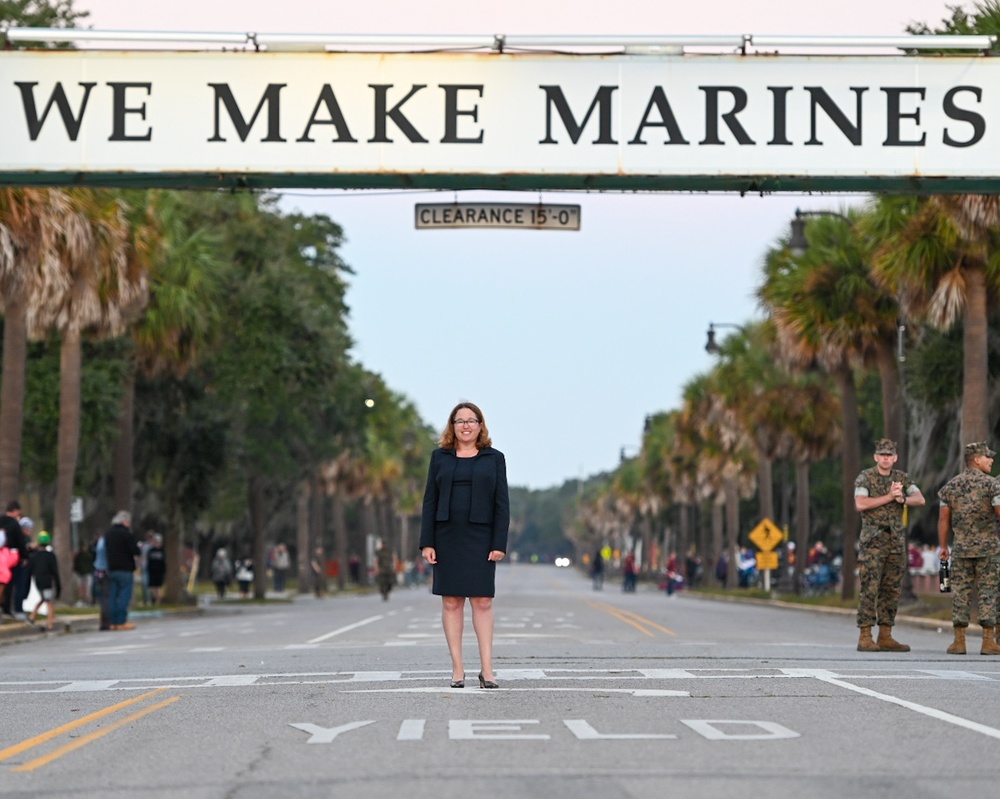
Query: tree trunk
{"points": [[123, 477], [975, 389], [255, 497], [68, 444], [317, 520], [893, 412], [302, 549], [684, 539], [717, 550], [15, 356], [801, 523], [765, 488], [732, 532], [339, 536], [851, 466], [369, 515]]}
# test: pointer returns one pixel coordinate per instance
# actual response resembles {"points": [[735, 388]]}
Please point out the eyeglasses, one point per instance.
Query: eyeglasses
{"points": [[465, 422]]}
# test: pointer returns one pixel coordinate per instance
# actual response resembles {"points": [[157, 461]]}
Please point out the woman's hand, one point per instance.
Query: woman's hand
{"points": [[496, 555], [429, 554]]}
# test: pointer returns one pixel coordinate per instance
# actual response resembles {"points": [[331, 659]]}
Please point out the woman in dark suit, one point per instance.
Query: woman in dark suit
{"points": [[463, 532]]}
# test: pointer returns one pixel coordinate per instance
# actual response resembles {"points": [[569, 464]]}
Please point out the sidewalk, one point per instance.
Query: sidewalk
{"points": [[12, 631]]}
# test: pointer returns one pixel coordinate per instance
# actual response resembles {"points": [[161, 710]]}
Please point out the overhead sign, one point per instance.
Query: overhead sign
{"points": [[429, 216], [490, 120]]}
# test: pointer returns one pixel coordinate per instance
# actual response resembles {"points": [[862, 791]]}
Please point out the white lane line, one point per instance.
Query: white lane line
{"points": [[940, 715], [88, 685], [231, 681], [346, 629], [643, 692]]}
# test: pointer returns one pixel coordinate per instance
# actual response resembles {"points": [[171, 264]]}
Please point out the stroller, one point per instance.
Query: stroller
{"points": [[820, 578]]}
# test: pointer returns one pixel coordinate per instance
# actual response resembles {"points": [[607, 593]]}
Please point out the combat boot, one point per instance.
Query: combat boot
{"points": [[990, 642], [865, 642], [958, 645], [886, 643]]}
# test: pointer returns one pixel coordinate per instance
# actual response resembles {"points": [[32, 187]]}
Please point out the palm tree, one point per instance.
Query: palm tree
{"points": [[170, 240], [816, 304], [726, 466], [29, 221], [941, 254], [811, 414], [98, 291]]}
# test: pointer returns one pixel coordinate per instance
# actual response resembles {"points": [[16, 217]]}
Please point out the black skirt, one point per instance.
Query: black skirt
{"points": [[463, 566]]}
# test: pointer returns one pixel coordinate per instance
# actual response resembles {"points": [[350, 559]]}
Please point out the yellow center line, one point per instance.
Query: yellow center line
{"points": [[627, 616], [31, 743], [65, 749]]}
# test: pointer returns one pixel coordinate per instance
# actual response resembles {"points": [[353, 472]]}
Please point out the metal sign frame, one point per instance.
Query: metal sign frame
{"points": [[647, 115]]}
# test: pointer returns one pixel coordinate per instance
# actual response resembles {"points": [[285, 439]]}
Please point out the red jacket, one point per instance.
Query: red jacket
{"points": [[8, 560]]}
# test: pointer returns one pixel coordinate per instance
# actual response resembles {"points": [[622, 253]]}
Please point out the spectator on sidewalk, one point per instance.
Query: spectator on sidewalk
{"points": [[8, 560], [122, 550], [245, 576], [281, 562], [43, 568], [83, 574], [17, 536], [156, 568], [221, 572]]}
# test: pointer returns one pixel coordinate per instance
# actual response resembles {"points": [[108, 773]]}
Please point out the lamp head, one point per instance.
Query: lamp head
{"points": [[711, 347], [798, 243]]}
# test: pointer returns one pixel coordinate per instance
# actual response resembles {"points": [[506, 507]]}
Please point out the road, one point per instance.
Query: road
{"points": [[602, 694]]}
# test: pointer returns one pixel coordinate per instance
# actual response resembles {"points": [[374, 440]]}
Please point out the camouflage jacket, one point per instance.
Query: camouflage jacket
{"points": [[885, 517], [972, 496]]}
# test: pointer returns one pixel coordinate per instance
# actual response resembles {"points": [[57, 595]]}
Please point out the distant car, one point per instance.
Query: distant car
{"points": [[563, 563]]}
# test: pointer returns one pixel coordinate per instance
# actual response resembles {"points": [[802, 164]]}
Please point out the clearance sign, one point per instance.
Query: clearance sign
{"points": [[514, 121]]}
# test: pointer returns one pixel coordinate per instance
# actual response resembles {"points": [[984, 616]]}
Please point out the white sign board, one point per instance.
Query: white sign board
{"points": [[499, 120], [541, 216], [76, 510]]}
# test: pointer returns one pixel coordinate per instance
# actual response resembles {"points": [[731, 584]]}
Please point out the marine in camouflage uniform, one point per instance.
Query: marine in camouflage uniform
{"points": [[970, 507], [880, 495]]}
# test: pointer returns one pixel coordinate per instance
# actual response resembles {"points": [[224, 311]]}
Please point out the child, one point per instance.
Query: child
{"points": [[44, 570], [8, 560]]}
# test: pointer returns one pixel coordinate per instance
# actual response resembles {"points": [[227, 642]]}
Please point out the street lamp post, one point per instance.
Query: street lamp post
{"points": [[798, 243]]}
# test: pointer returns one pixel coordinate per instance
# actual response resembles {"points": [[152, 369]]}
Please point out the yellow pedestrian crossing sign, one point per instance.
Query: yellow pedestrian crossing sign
{"points": [[766, 535]]}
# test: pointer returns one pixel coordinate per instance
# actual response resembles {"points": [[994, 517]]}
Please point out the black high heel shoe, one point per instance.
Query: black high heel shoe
{"points": [[458, 683], [486, 683]]}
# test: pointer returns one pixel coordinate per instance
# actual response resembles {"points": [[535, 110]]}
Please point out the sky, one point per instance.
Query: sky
{"points": [[566, 340]]}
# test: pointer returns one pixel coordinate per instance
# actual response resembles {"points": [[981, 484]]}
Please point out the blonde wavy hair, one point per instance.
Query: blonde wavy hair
{"points": [[447, 440]]}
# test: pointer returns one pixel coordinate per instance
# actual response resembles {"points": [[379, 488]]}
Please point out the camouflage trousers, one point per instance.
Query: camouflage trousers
{"points": [[881, 563], [981, 572]]}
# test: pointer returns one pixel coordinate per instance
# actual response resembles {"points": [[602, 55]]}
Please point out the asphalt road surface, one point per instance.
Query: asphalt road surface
{"points": [[602, 694]]}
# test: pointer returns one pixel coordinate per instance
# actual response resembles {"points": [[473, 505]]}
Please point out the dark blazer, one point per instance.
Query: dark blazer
{"points": [[122, 548], [490, 500]]}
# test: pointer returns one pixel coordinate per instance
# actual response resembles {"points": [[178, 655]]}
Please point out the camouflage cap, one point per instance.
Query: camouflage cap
{"points": [[978, 448], [885, 446]]}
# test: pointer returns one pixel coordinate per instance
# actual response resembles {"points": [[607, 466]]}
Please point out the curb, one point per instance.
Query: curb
{"points": [[16, 631], [939, 625]]}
